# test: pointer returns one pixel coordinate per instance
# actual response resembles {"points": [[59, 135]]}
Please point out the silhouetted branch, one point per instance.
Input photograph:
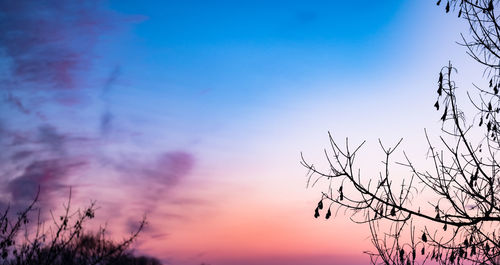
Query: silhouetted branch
{"points": [[460, 224]]}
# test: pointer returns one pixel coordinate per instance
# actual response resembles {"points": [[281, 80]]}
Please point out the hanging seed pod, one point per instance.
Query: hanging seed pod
{"points": [[491, 82], [440, 84], [473, 250], [320, 205], [445, 227], [328, 214], [481, 121], [460, 13], [401, 255], [316, 213], [424, 237], [489, 106], [495, 90], [488, 126], [448, 7], [393, 211], [413, 254], [443, 118], [422, 251], [438, 2], [436, 105]]}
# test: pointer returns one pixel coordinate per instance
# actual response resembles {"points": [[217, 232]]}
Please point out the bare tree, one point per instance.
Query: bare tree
{"points": [[461, 224], [65, 241]]}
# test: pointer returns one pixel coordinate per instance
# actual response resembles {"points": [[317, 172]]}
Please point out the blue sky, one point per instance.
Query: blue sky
{"points": [[199, 107]]}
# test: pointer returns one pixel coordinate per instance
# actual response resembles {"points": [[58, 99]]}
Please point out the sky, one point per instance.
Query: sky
{"points": [[194, 113]]}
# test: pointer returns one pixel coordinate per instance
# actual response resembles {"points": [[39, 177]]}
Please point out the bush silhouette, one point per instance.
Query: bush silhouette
{"points": [[64, 242]]}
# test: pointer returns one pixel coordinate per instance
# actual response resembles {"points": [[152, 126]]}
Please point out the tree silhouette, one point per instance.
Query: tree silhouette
{"points": [[460, 225], [66, 241]]}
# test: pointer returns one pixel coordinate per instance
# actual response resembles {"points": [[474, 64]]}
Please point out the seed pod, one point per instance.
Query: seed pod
{"points": [[424, 237], [443, 118], [328, 214]]}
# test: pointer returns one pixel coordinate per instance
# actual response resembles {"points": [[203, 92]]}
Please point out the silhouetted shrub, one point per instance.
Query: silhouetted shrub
{"points": [[65, 241]]}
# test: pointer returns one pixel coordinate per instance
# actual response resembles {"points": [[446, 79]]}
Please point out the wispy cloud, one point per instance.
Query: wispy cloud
{"points": [[48, 42]]}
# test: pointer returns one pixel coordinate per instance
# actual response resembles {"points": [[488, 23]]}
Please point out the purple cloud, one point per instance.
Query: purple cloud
{"points": [[169, 168], [151, 182], [46, 176], [16, 103], [21, 155], [48, 135], [48, 42]]}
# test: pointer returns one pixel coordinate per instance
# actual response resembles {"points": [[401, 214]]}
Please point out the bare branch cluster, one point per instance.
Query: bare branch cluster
{"points": [[461, 223], [65, 241]]}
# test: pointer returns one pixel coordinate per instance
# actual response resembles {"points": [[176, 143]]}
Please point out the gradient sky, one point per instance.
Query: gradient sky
{"points": [[195, 113]]}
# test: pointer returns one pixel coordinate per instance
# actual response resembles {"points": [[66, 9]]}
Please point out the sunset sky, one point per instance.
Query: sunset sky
{"points": [[194, 113]]}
